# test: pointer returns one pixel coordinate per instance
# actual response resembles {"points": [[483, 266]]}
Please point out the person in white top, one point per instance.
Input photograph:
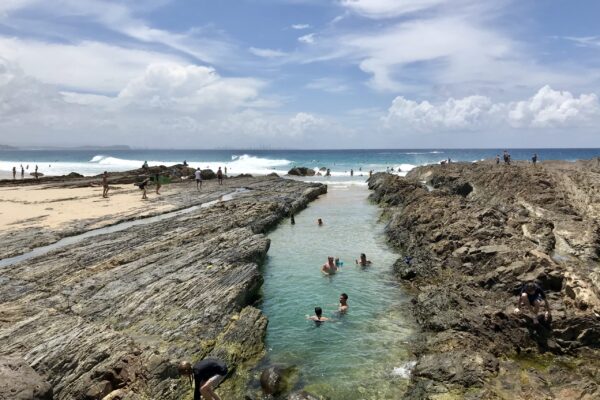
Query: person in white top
{"points": [[198, 174]]}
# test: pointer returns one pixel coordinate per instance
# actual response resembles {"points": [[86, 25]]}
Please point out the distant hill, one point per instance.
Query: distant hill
{"points": [[115, 147]]}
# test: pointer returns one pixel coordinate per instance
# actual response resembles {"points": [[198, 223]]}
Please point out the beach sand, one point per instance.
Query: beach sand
{"points": [[62, 208]]}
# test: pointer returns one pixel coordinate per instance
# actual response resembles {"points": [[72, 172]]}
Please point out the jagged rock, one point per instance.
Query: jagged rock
{"points": [[481, 234], [278, 379], [208, 174], [115, 313], [18, 381], [301, 171]]}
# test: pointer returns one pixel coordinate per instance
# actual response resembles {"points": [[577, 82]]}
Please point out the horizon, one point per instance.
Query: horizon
{"points": [[341, 74]]}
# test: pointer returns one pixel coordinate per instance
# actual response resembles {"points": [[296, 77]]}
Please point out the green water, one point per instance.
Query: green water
{"points": [[361, 354]]}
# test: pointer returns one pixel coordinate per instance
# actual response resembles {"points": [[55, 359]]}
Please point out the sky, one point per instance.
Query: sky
{"points": [[300, 73]]}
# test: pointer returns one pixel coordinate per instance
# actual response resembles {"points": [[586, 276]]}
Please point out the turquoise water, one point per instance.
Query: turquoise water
{"points": [[359, 355]]}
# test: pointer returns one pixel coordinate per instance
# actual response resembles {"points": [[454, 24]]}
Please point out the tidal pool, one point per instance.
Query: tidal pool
{"points": [[360, 355]]}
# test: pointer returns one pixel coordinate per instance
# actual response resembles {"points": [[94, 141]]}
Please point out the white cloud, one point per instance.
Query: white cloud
{"points": [[266, 53], [87, 66], [389, 8], [300, 26], [328, 85], [548, 108], [585, 41], [308, 39]]}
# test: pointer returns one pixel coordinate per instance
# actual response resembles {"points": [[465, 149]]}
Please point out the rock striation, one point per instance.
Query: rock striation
{"points": [[476, 233], [110, 317]]}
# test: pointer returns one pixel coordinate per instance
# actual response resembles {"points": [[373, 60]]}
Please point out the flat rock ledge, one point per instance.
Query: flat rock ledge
{"points": [[476, 232], [110, 317]]}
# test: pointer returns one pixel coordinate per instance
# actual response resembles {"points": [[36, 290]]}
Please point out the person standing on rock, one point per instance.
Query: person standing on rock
{"points": [[220, 176], [207, 374], [292, 220], [497, 159], [105, 185], [532, 296], [198, 175], [534, 158]]}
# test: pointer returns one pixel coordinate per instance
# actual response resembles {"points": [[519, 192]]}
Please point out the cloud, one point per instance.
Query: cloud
{"points": [[308, 39], [266, 53], [328, 85], [168, 104], [585, 41], [548, 108], [300, 26], [86, 66], [388, 8]]}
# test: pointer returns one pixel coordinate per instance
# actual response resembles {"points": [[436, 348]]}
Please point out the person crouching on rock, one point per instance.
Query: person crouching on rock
{"points": [[207, 374], [532, 296]]}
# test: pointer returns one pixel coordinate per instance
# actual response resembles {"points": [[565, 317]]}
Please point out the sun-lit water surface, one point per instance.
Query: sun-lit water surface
{"points": [[360, 355]]}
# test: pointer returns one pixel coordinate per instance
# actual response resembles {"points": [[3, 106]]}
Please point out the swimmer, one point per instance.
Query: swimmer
{"points": [[320, 222], [329, 268], [338, 263], [318, 317], [343, 308], [363, 262]]}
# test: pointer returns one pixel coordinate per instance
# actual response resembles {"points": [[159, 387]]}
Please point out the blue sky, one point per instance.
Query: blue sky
{"points": [[300, 73]]}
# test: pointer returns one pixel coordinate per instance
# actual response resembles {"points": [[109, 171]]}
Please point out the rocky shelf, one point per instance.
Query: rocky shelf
{"points": [[477, 232], [111, 316]]}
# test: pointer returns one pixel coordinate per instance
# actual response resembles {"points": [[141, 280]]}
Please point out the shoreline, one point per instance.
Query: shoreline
{"points": [[477, 233]]}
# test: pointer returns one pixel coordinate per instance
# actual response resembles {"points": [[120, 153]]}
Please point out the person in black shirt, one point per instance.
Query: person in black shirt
{"points": [[532, 296], [208, 374]]}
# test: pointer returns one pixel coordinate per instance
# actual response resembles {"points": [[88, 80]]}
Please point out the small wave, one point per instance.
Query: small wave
{"points": [[406, 167], [404, 370], [97, 158]]}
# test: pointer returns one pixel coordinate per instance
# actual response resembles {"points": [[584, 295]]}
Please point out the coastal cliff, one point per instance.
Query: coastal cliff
{"points": [[111, 316], [476, 233]]}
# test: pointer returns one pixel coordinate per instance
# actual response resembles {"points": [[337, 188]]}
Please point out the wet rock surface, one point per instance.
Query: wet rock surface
{"points": [[475, 239], [113, 315]]}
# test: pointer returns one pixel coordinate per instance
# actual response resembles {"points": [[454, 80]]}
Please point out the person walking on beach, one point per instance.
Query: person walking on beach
{"points": [[220, 176], [343, 308], [198, 175], [157, 182], [143, 186], [105, 185], [22, 172], [329, 268], [363, 262], [207, 374], [14, 173], [534, 158], [35, 174]]}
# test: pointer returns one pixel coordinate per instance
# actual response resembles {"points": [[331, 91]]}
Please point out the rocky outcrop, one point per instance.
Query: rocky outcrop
{"points": [[112, 316], [301, 171], [18, 381], [475, 238]]}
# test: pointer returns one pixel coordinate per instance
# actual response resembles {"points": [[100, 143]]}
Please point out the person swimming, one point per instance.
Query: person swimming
{"points": [[318, 317], [320, 222], [338, 263], [343, 307], [329, 268], [363, 262]]}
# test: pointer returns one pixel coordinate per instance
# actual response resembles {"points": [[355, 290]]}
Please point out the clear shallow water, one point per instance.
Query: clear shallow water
{"points": [[93, 162], [359, 355]]}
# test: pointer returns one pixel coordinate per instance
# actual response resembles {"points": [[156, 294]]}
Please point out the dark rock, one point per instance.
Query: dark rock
{"points": [[301, 171], [18, 381], [74, 175], [208, 174], [277, 379]]}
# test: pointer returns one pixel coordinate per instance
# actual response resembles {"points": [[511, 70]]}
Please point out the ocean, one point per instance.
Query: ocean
{"points": [[262, 162]]}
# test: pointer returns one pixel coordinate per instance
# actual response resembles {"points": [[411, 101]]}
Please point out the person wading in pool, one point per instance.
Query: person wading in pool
{"points": [[318, 317], [207, 374], [329, 268], [343, 308], [363, 262]]}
